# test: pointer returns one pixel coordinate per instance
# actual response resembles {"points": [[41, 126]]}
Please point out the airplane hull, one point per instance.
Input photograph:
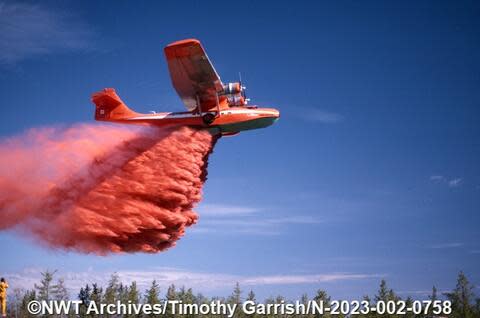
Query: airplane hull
{"points": [[247, 125], [227, 122]]}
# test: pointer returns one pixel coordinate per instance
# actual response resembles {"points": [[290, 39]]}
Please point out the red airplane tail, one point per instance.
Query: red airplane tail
{"points": [[110, 107]]}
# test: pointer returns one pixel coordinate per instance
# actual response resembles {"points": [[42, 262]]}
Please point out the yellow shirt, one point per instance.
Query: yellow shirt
{"points": [[3, 289]]}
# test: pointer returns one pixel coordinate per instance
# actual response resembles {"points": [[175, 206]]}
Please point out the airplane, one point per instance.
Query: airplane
{"points": [[211, 104]]}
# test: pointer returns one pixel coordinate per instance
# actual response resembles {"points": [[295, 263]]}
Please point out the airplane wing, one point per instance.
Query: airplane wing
{"points": [[194, 77]]}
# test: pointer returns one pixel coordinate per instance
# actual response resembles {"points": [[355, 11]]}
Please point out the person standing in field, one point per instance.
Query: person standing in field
{"points": [[3, 296]]}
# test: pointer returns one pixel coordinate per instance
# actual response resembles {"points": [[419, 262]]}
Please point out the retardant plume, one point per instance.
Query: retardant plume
{"points": [[102, 189]]}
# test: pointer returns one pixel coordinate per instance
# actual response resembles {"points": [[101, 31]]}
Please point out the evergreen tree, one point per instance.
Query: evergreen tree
{"points": [[44, 290], [122, 293], [368, 301], [201, 299], [171, 292], [112, 292], [385, 295], [477, 308], [382, 294], [171, 295], [409, 304], [59, 291], [304, 300], [186, 295], [462, 298], [84, 295], [96, 294], [433, 297], [236, 296], [152, 295], [322, 297], [251, 296], [133, 296], [27, 298]]}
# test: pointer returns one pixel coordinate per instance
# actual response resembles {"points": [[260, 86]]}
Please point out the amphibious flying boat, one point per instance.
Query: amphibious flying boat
{"points": [[211, 104]]}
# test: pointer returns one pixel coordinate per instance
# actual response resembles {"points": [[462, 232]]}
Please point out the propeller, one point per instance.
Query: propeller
{"points": [[243, 88]]}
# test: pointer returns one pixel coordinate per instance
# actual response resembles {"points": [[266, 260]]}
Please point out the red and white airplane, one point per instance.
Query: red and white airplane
{"points": [[211, 104]]}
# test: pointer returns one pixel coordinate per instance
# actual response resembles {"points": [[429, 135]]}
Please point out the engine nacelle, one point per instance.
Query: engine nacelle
{"points": [[232, 88], [236, 100]]}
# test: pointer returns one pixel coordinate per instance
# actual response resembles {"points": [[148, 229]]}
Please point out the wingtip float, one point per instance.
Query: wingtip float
{"points": [[220, 108]]}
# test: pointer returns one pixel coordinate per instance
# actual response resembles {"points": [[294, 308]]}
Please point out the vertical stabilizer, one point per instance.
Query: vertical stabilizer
{"points": [[109, 107]]}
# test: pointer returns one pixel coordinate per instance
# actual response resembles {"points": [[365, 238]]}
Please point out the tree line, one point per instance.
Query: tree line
{"points": [[464, 302]]}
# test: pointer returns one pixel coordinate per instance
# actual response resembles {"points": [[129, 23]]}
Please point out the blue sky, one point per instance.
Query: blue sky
{"points": [[372, 171]]}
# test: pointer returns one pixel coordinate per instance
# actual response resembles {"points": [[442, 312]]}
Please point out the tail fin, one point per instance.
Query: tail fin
{"points": [[110, 107]]}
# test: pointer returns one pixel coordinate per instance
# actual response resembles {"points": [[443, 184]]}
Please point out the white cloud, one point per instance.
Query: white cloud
{"points": [[452, 183], [298, 219], [29, 30], [240, 230], [446, 245], [225, 210], [421, 292], [303, 279], [236, 219], [200, 281], [264, 222], [455, 182], [319, 115]]}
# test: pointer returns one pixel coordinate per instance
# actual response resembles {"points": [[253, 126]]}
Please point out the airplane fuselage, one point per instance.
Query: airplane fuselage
{"points": [[228, 121]]}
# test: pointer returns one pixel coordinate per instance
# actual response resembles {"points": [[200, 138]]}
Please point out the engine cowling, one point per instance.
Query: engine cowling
{"points": [[232, 88], [236, 100]]}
